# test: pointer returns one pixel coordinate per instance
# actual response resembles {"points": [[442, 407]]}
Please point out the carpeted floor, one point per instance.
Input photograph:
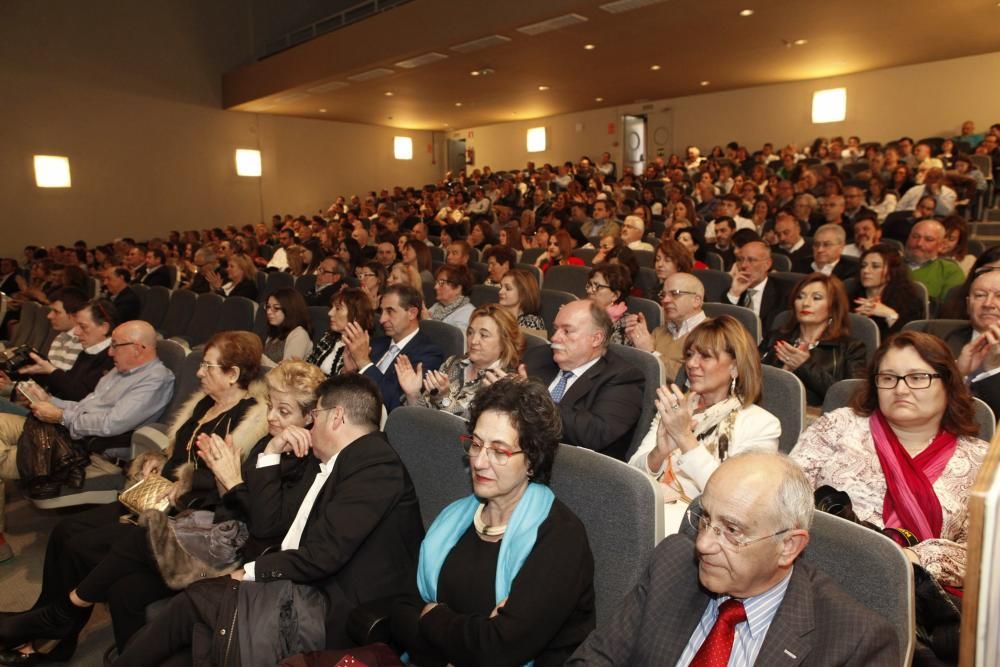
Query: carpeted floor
{"points": [[21, 578]]}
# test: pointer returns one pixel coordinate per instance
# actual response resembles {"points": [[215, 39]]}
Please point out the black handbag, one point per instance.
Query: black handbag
{"points": [[47, 458]]}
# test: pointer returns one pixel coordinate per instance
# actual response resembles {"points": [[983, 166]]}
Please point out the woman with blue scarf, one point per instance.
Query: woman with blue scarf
{"points": [[506, 574]]}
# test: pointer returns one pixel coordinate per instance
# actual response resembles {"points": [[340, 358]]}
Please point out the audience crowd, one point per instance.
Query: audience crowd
{"points": [[787, 259]]}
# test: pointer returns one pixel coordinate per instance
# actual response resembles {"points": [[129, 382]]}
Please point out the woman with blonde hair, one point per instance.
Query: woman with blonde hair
{"points": [[693, 433]]}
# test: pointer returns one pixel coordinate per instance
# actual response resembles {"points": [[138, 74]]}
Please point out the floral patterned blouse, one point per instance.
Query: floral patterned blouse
{"points": [[838, 450]]}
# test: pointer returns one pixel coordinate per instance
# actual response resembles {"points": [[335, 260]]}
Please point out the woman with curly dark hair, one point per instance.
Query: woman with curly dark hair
{"points": [[505, 574], [885, 292], [609, 285]]}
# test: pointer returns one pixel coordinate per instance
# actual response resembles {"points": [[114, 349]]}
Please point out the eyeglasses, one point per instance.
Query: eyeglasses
{"points": [[115, 345], [591, 286], [205, 364], [749, 260], [912, 380], [824, 244], [329, 272], [362, 276], [732, 535], [674, 293], [316, 411], [441, 281], [498, 455]]}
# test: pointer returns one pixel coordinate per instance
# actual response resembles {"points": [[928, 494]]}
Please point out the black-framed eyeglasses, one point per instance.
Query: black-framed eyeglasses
{"points": [[328, 272], [731, 535], [591, 286], [498, 455], [674, 293], [115, 345], [912, 380]]}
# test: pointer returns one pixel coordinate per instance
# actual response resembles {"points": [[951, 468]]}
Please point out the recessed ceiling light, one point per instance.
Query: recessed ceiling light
{"points": [[543, 88], [654, 67], [458, 104], [598, 99], [589, 47], [322, 110], [800, 42], [475, 72], [705, 83], [746, 12], [388, 93]]}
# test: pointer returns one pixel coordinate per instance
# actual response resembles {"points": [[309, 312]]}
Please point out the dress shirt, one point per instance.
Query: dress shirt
{"points": [[687, 325], [825, 270], [97, 348], [757, 296], [279, 260], [577, 372], [982, 375], [298, 527], [401, 344], [121, 402], [801, 242], [760, 610]]}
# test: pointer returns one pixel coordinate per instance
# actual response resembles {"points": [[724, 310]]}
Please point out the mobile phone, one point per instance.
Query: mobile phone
{"points": [[24, 391]]}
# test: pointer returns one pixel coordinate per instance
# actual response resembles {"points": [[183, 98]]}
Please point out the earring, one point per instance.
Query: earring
{"points": [[732, 386]]}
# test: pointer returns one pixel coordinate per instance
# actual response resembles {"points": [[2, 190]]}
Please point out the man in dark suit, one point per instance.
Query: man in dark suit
{"points": [[827, 255], [400, 319], [156, 270], [599, 394], [351, 526], [790, 241], [854, 204], [126, 301], [329, 281], [751, 287], [977, 346], [8, 276], [754, 522]]}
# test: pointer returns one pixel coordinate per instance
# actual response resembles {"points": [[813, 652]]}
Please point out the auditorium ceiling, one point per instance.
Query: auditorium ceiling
{"points": [[444, 64]]}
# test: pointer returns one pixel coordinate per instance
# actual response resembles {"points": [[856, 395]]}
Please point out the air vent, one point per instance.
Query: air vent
{"points": [[419, 61], [549, 25], [377, 73], [622, 6], [327, 87], [482, 43]]}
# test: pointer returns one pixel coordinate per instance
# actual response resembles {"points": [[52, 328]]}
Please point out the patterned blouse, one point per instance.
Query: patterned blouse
{"points": [[460, 390], [838, 450], [530, 321]]}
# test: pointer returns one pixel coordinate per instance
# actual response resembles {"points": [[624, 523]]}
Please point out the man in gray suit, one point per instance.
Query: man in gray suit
{"points": [[740, 578]]}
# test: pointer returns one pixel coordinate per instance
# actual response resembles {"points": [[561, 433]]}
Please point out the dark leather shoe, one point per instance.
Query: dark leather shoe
{"points": [[61, 653], [75, 478], [60, 620], [40, 490]]}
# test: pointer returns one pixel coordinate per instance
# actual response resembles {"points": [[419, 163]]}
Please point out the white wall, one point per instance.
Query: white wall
{"points": [[919, 100], [131, 93]]}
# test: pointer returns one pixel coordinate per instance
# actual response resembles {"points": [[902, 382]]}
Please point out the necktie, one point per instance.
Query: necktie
{"points": [[560, 388], [386, 360], [714, 652], [747, 300]]}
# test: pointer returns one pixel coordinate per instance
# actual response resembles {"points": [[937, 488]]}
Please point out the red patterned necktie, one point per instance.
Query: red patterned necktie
{"points": [[714, 652]]}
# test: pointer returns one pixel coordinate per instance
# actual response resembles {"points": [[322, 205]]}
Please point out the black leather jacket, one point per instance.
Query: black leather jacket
{"points": [[829, 362]]}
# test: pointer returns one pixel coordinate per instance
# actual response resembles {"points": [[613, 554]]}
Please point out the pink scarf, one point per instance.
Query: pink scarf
{"points": [[616, 310], [910, 500]]}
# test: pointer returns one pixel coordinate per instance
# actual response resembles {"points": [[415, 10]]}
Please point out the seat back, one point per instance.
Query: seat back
{"points": [[172, 354], [714, 261], [237, 314], [652, 371], [744, 316], [586, 254], [140, 291], [483, 294], [532, 269], [205, 320], [186, 382], [648, 283], [650, 309], [276, 280], [179, 313], [154, 308], [529, 255], [780, 262], [716, 283], [448, 337], [646, 258], [985, 418], [620, 507], [926, 296], [622, 510], [939, 328], [305, 284], [867, 565], [568, 278], [552, 300], [319, 321], [840, 393], [25, 323], [40, 328], [784, 397]]}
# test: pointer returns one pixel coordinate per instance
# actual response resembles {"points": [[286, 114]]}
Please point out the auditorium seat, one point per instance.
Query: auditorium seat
{"points": [[650, 309], [179, 313], [154, 308], [781, 262], [552, 300], [204, 321], [652, 371], [745, 316], [568, 278], [237, 314], [448, 337], [716, 283], [784, 396], [483, 294]]}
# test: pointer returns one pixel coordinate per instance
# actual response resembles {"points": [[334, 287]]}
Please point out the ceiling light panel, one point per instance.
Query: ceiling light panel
{"points": [[622, 6], [419, 61], [327, 87], [487, 42], [376, 73], [557, 23]]}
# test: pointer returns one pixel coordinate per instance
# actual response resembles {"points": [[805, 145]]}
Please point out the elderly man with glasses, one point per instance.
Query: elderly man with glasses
{"points": [[751, 287], [737, 594], [682, 298]]}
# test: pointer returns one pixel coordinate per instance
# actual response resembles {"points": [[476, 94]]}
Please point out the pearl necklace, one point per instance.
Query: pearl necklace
{"points": [[482, 528]]}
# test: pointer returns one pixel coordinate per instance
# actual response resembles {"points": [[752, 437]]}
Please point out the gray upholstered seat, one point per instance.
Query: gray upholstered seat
{"points": [[276, 280], [939, 328], [448, 337], [867, 565], [205, 320], [650, 309], [179, 313], [716, 283], [780, 262], [319, 321], [552, 300], [238, 313], [568, 278], [620, 507], [784, 396], [154, 308], [744, 316], [652, 371], [483, 294]]}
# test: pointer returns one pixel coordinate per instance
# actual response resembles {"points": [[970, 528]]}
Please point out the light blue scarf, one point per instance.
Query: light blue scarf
{"points": [[518, 541]]}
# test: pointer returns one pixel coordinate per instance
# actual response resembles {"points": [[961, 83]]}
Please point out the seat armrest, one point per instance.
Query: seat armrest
{"points": [[149, 438]]}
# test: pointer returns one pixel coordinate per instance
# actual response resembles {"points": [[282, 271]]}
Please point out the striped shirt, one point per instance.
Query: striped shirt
{"points": [[64, 350], [760, 611]]}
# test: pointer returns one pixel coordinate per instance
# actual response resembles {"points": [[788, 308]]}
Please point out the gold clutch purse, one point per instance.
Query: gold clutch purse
{"points": [[147, 494]]}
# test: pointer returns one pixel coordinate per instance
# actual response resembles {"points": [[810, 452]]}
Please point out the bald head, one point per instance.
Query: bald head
{"points": [[924, 242], [133, 344], [682, 297]]}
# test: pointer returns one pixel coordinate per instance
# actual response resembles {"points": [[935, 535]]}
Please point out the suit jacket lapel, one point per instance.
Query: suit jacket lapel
{"points": [[582, 385], [788, 642]]}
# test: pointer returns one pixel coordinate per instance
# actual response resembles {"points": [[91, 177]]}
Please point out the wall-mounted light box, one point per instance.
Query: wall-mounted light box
{"points": [[248, 162], [536, 139], [402, 148], [829, 106], [52, 171]]}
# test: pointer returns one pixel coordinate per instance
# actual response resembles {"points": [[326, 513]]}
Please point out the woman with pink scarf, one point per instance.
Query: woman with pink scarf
{"points": [[609, 285]]}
